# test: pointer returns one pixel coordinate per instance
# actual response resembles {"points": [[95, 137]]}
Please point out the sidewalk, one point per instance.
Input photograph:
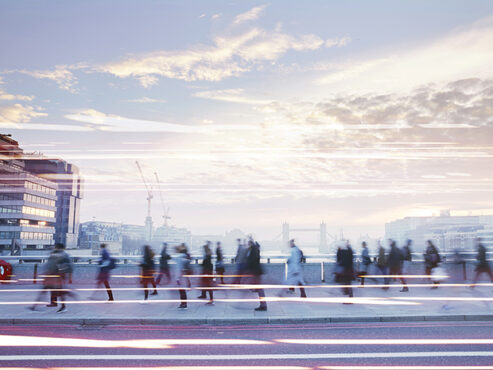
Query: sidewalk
{"points": [[324, 304]]}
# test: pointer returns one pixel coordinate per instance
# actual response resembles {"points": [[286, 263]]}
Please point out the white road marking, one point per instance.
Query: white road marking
{"points": [[259, 356]]}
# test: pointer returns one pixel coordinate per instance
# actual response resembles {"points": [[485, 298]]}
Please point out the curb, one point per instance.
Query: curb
{"points": [[238, 321]]}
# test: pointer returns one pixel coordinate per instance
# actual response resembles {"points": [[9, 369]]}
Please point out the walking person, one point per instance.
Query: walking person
{"points": [[182, 268], [106, 264], [207, 273], [51, 281], [365, 262], [482, 266], [432, 259], [395, 260], [295, 269], [407, 255], [147, 266], [255, 269], [346, 261], [220, 262], [164, 265], [65, 269], [382, 265], [240, 260]]}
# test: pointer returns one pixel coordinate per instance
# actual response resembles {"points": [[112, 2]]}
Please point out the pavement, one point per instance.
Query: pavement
{"points": [[425, 345], [325, 304]]}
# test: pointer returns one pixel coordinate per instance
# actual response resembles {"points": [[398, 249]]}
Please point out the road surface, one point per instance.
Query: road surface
{"points": [[427, 345]]}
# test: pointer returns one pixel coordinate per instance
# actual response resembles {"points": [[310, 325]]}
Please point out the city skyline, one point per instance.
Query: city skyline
{"points": [[257, 112]]}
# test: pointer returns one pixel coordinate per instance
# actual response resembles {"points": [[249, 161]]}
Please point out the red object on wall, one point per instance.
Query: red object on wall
{"points": [[5, 270]]}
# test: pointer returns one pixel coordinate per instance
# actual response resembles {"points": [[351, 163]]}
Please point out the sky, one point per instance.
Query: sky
{"points": [[253, 113]]}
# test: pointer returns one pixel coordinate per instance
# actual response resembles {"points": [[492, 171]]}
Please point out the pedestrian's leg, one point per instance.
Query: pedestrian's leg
{"points": [[261, 296], [302, 290], [108, 290], [363, 280], [145, 284], [183, 298], [158, 279], [211, 295], [153, 285]]}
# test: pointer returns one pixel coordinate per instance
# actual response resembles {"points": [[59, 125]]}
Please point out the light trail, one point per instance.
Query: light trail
{"points": [[401, 367], [28, 341], [236, 367], [341, 341], [254, 357], [353, 300]]}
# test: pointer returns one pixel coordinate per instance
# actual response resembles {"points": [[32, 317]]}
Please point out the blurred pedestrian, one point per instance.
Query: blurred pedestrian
{"points": [[147, 276], [182, 268], [164, 265], [365, 262], [394, 260], [295, 269], [382, 265], [432, 259], [255, 269], [482, 266], [106, 264], [65, 269], [220, 262], [240, 260], [52, 282], [407, 254], [207, 274], [346, 262]]}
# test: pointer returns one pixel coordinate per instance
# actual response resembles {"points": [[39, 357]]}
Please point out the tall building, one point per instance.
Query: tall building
{"points": [[69, 196], [27, 203]]}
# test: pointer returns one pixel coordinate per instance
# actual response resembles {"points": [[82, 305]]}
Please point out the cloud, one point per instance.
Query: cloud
{"points": [[464, 53], [6, 96], [338, 42], [18, 113], [228, 56], [146, 99], [114, 123], [250, 15], [461, 104], [62, 75], [229, 95]]}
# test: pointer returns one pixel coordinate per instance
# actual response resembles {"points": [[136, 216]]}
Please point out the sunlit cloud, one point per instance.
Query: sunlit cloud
{"points": [[146, 99], [61, 74], [18, 113], [462, 54], [230, 95], [250, 15], [227, 56]]}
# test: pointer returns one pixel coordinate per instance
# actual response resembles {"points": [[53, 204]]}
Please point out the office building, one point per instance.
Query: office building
{"points": [[27, 204]]}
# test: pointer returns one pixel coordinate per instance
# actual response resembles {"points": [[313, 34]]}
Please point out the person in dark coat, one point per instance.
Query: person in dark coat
{"points": [[255, 269], [365, 262], [346, 261], [432, 259], [220, 262], [164, 265], [482, 266], [207, 273], [147, 266], [105, 263], [52, 281], [395, 260]]}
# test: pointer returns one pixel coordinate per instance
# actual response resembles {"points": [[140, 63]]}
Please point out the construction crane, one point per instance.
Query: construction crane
{"points": [[165, 209], [148, 221]]}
